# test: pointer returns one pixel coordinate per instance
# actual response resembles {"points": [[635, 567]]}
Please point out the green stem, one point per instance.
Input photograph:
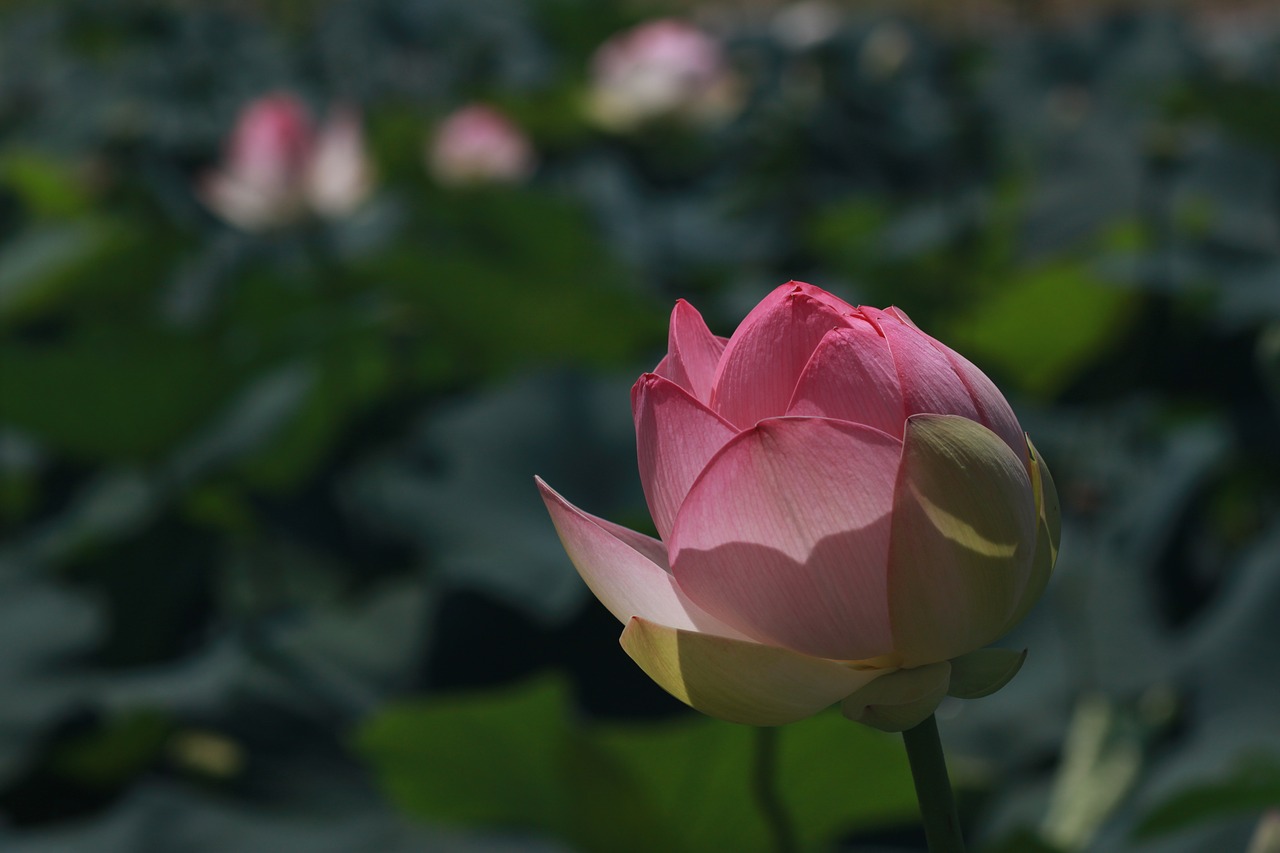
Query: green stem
{"points": [[933, 789], [765, 787]]}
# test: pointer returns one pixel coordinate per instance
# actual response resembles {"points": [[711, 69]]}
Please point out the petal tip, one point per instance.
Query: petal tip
{"points": [[545, 489]]}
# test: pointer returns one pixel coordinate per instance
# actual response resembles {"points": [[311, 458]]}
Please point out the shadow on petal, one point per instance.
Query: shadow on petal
{"points": [[833, 603]]}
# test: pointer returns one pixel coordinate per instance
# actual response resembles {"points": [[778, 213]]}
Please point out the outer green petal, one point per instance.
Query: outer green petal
{"points": [[1047, 504], [983, 672], [900, 700], [737, 680], [963, 537], [1048, 534]]}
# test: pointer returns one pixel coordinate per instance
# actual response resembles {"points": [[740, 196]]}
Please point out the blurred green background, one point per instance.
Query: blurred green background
{"points": [[273, 572]]}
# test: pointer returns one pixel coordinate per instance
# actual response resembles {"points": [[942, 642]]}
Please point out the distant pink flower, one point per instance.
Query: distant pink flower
{"points": [[848, 511], [277, 167], [339, 174], [665, 68], [478, 145]]}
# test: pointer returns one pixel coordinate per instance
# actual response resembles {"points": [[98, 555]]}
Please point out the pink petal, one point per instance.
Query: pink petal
{"points": [[737, 680], [964, 534], [271, 142], [785, 536], [895, 311], [675, 437], [993, 409], [648, 547], [765, 356], [835, 303], [621, 571], [928, 381], [851, 377], [692, 352]]}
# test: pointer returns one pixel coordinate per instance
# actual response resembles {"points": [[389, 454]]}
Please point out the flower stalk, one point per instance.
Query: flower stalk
{"points": [[933, 788], [765, 787]]}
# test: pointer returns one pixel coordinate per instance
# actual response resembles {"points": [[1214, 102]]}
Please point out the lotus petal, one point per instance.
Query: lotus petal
{"points": [[765, 356], [785, 536], [692, 352], [851, 377], [928, 381], [983, 672], [964, 526], [1048, 533], [993, 409], [737, 680], [900, 700], [895, 311], [623, 576], [675, 438]]}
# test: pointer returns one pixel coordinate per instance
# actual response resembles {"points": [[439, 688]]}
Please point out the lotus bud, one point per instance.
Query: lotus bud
{"points": [[479, 145], [847, 511], [663, 69]]}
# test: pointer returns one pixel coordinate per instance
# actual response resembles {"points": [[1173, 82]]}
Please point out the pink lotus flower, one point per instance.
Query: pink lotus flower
{"points": [[848, 512], [478, 145], [663, 68], [278, 167]]}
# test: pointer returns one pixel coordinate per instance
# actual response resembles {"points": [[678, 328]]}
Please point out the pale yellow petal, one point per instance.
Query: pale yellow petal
{"points": [[738, 680]]}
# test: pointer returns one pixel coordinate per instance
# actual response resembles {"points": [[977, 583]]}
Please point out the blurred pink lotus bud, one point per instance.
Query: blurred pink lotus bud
{"points": [[339, 174], [278, 167], [848, 511], [665, 68], [478, 145]]}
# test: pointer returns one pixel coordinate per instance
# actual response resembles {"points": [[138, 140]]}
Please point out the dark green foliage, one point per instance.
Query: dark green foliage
{"points": [[676, 785], [1253, 787]]}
